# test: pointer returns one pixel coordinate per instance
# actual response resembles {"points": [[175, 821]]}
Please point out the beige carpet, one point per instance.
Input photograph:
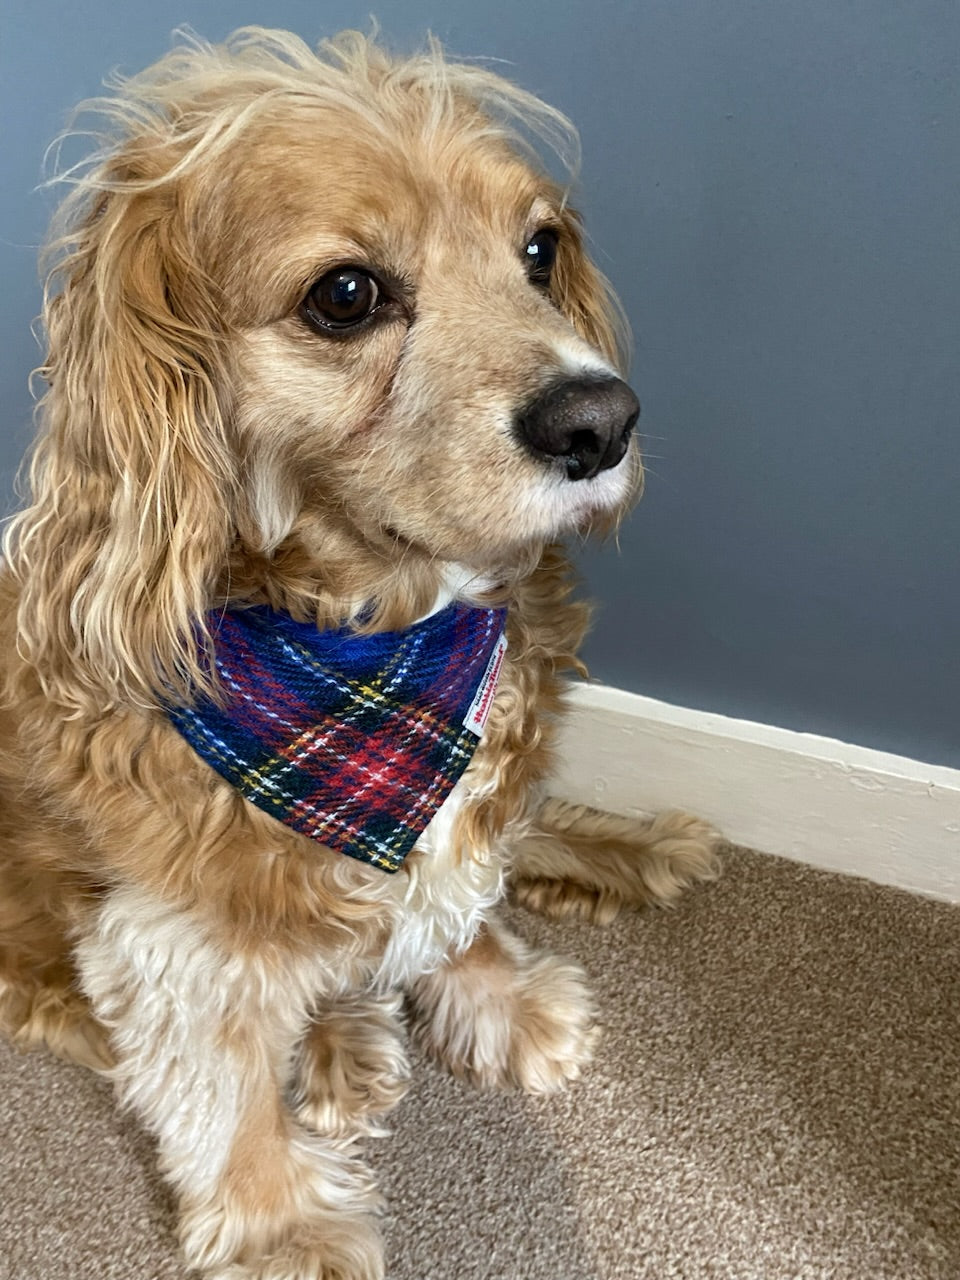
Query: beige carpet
{"points": [[776, 1097]]}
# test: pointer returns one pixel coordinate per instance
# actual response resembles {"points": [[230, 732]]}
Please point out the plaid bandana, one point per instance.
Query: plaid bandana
{"points": [[354, 741]]}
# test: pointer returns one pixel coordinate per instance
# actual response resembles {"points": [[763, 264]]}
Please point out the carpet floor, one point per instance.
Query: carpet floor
{"points": [[776, 1096]]}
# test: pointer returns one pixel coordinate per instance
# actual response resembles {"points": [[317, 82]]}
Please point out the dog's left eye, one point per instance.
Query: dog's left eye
{"points": [[342, 299], [540, 256]]}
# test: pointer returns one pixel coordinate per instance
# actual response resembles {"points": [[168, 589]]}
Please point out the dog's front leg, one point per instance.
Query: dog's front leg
{"points": [[502, 1014], [205, 1041]]}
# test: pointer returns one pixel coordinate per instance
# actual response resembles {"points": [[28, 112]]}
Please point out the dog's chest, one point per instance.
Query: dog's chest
{"points": [[441, 900]]}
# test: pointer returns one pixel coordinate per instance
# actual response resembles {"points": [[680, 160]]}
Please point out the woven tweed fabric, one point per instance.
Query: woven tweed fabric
{"points": [[352, 740]]}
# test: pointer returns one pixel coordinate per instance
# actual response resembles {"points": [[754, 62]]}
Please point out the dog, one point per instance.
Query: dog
{"points": [[327, 358]]}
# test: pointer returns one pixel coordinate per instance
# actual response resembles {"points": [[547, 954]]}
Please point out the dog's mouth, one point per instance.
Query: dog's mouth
{"points": [[600, 499], [575, 469]]}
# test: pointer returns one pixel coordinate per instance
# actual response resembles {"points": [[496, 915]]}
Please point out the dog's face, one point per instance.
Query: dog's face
{"points": [[318, 331], [401, 349]]}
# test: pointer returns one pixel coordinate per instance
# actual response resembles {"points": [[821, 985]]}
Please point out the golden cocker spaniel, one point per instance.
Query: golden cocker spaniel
{"points": [[328, 364]]}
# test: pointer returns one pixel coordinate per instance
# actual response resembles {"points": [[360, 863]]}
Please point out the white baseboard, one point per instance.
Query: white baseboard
{"points": [[825, 803]]}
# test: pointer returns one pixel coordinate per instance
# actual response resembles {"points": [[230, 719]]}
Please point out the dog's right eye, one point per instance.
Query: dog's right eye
{"points": [[540, 256], [342, 299]]}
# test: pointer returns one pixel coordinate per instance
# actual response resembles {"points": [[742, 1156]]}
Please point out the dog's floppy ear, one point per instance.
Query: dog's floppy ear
{"points": [[132, 479], [586, 297]]}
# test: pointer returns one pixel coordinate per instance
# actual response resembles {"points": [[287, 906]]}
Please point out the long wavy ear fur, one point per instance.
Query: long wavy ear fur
{"points": [[131, 480]]}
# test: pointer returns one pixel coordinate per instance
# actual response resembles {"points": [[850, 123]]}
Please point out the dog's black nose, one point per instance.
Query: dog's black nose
{"points": [[586, 422]]}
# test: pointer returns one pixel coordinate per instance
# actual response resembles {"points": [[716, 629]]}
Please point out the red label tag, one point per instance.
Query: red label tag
{"points": [[476, 717]]}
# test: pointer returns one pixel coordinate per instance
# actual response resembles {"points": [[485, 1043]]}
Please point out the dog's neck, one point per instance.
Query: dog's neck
{"points": [[457, 582], [336, 580]]}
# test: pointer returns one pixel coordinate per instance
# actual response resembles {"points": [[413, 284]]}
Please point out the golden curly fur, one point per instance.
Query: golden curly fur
{"points": [[201, 445]]}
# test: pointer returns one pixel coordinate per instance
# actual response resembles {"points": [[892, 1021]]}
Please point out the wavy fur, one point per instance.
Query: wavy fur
{"points": [[201, 445]]}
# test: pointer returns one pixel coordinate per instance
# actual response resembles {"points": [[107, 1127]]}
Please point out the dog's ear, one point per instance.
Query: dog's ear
{"points": [[586, 297], [132, 478]]}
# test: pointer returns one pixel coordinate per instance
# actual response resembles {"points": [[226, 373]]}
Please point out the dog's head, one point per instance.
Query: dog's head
{"points": [[321, 312]]}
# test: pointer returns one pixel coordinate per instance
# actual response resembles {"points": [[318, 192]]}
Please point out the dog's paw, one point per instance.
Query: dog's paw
{"points": [[289, 1205], [504, 1017], [676, 850], [58, 1018], [352, 1067], [579, 862], [549, 1033], [350, 1252]]}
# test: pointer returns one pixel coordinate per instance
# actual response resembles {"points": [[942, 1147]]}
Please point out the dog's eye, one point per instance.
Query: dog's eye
{"points": [[540, 255], [342, 298]]}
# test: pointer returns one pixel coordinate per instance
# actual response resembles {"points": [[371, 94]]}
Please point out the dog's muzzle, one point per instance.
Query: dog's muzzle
{"points": [[583, 422]]}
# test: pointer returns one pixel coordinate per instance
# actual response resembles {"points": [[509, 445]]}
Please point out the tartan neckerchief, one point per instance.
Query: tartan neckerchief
{"points": [[352, 740]]}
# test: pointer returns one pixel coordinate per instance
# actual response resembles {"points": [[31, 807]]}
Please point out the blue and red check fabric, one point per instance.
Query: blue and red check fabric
{"points": [[352, 740]]}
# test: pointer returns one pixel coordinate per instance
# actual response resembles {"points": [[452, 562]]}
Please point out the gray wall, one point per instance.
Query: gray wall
{"points": [[774, 189]]}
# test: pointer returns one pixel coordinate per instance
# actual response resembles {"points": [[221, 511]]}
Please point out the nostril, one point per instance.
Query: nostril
{"points": [[584, 444], [585, 455]]}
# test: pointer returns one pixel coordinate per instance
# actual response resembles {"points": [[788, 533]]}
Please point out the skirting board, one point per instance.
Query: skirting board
{"points": [[826, 803]]}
